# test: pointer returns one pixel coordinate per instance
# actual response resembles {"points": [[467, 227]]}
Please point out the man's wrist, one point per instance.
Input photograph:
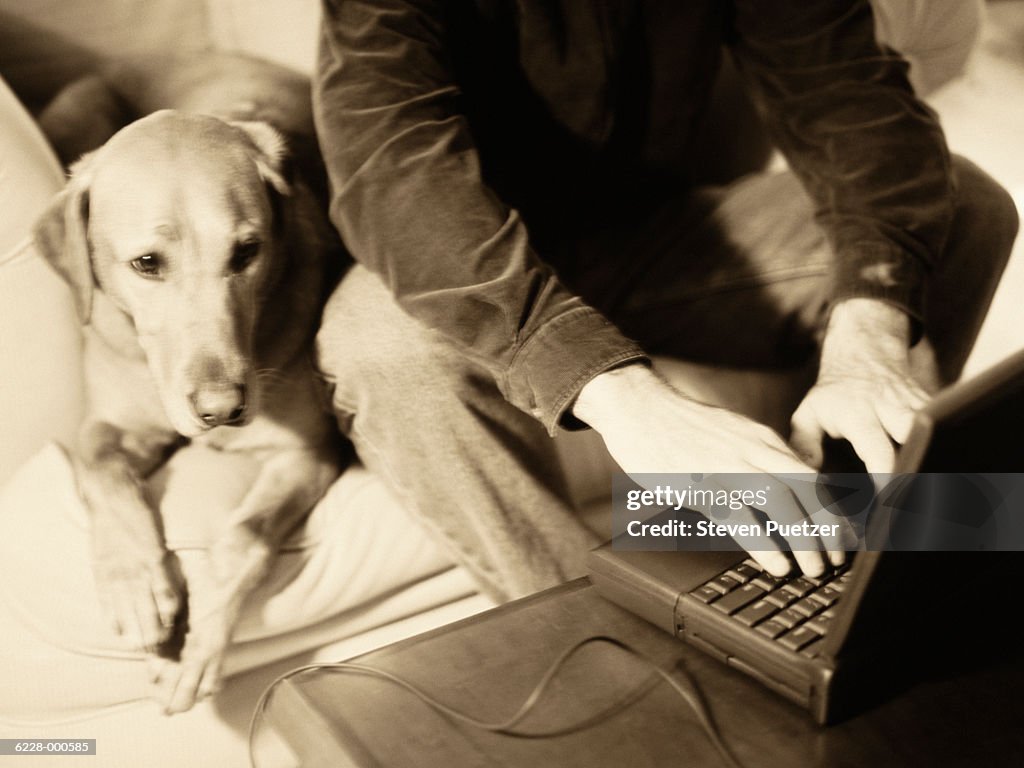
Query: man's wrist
{"points": [[871, 314], [609, 392], [862, 322]]}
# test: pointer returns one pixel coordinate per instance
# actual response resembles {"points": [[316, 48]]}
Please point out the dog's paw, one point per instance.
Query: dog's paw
{"points": [[195, 676], [139, 595]]}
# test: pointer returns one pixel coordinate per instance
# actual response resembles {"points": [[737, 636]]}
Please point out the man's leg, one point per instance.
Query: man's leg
{"points": [[736, 278], [740, 276], [479, 473]]}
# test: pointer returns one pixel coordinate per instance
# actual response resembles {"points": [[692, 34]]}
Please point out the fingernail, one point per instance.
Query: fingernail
{"points": [[815, 570]]}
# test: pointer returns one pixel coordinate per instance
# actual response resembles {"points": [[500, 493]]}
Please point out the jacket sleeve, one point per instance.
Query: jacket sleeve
{"points": [[409, 200], [870, 154]]}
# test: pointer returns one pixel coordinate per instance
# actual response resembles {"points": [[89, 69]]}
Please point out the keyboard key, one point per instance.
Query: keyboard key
{"points": [[789, 618], [808, 607], [812, 650], [723, 584], [738, 599], [752, 564], [827, 595], [741, 576], [767, 582], [821, 622], [756, 613], [780, 598], [771, 628], [706, 594], [800, 587], [798, 638], [745, 569]]}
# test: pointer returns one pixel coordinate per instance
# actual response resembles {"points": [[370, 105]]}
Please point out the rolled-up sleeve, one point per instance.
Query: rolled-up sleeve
{"points": [[409, 199], [871, 155]]}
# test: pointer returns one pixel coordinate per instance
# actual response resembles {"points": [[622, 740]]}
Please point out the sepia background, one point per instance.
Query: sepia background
{"points": [[46, 43]]}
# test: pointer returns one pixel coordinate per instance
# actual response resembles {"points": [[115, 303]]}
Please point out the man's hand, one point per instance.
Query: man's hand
{"points": [[650, 427], [864, 392]]}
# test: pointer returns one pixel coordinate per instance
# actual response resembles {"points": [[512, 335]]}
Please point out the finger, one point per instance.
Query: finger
{"points": [[167, 603], [781, 506], [773, 561], [805, 488], [146, 619], [124, 613], [871, 442], [806, 437], [761, 547], [137, 616], [211, 681], [897, 419], [183, 692], [787, 510], [838, 535], [810, 561]]}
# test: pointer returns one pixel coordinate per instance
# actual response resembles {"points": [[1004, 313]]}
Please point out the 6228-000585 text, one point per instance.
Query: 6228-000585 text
{"points": [[47, 746]]}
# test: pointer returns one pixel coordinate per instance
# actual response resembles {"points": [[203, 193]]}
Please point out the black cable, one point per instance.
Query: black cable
{"points": [[507, 727]]}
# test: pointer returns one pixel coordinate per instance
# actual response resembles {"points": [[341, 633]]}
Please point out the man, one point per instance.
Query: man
{"points": [[515, 181]]}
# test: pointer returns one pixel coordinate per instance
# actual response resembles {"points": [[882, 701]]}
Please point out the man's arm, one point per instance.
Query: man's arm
{"points": [[650, 427], [410, 202], [865, 390], [875, 162]]}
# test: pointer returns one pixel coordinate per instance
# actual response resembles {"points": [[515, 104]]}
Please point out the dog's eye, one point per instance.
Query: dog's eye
{"points": [[243, 255], [148, 265]]}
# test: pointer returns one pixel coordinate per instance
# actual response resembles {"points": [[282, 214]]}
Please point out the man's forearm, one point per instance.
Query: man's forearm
{"points": [[412, 205], [858, 324]]}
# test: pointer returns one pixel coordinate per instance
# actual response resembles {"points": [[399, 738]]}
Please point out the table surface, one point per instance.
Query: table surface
{"points": [[969, 714]]}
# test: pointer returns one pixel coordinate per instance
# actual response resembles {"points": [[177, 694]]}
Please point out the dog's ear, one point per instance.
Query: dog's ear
{"points": [[62, 237], [271, 154]]}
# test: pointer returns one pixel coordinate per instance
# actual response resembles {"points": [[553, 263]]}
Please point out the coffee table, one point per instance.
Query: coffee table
{"points": [[487, 665]]}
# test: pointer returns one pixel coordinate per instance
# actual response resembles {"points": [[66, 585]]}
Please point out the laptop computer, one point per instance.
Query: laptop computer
{"points": [[838, 644]]}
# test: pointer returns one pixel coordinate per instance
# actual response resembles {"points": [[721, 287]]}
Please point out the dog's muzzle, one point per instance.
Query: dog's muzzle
{"points": [[219, 405]]}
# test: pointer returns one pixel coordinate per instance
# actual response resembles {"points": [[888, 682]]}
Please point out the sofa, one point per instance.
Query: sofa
{"points": [[360, 573]]}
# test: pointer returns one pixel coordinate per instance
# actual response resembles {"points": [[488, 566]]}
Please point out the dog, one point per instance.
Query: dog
{"points": [[196, 244]]}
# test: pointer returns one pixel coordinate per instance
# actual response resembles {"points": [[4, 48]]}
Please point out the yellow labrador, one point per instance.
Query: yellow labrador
{"points": [[199, 264]]}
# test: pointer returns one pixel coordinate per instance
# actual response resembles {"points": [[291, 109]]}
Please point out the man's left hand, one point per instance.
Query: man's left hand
{"points": [[865, 392]]}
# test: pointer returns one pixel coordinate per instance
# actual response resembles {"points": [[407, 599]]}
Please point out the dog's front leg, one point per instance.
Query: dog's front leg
{"points": [[288, 486], [134, 580]]}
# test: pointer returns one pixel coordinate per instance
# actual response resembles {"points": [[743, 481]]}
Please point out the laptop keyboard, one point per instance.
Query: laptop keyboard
{"points": [[795, 611]]}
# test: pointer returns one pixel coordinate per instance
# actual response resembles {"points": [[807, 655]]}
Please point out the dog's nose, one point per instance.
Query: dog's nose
{"points": [[218, 405]]}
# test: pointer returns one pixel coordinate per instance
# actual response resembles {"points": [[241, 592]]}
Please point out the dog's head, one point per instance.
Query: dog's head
{"points": [[174, 220]]}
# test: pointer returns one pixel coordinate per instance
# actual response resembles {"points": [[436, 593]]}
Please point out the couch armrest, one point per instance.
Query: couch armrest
{"points": [[41, 385]]}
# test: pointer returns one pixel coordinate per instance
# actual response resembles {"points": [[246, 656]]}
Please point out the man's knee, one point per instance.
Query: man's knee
{"points": [[986, 216], [984, 229], [965, 279], [369, 351]]}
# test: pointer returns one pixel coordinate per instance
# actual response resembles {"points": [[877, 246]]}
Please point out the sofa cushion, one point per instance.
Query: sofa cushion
{"points": [[45, 44], [41, 385], [358, 550]]}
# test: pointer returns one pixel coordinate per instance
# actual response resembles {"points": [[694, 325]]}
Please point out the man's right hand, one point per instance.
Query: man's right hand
{"points": [[650, 427]]}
